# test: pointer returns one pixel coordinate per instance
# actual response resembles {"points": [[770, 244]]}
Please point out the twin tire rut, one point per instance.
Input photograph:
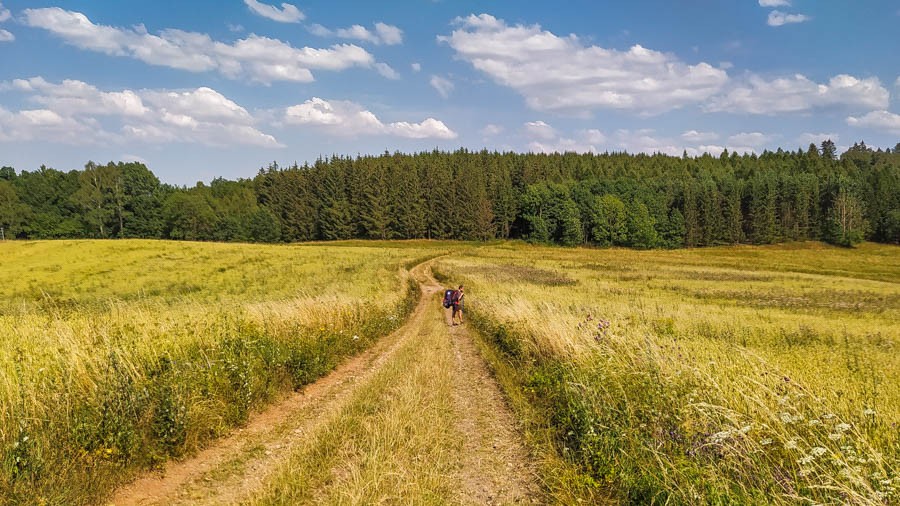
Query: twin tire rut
{"points": [[328, 441]]}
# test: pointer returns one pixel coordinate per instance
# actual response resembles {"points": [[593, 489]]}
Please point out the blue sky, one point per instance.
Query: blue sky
{"points": [[207, 88]]}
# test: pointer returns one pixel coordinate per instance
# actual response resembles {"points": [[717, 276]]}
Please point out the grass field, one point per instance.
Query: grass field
{"points": [[117, 355], [731, 375], [722, 375]]}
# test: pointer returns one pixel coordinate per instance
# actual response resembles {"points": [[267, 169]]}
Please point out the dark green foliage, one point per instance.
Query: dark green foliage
{"points": [[567, 199]]}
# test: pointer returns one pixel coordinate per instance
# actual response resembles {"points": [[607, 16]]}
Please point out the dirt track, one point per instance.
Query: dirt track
{"points": [[492, 464]]}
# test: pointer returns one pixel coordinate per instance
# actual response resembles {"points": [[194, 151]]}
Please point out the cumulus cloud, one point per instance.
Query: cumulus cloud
{"points": [[774, 3], [255, 58], [202, 116], [884, 121], [540, 130], [564, 74], [286, 14], [382, 33], [386, 71], [4, 13], [695, 136], [442, 85], [808, 138], [753, 139], [416, 67], [350, 119], [799, 94], [491, 130], [6, 36], [778, 18]]}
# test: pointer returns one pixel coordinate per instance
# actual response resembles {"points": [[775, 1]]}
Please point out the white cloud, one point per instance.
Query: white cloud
{"points": [[442, 85], [256, 58], [778, 18], [386, 71], [6, 36], [491, 130], [539, 130], [72, 98], [695, 136], [48, 126], [897, 82], [877, 120], [416, 67], [774, 3], [4, 13], [808, 138], [594, 136], [388, 35], [563, 74], [127, 157], [235, 28], [71, 109], [799, 94], [350, 119], [754, 139], [287, 14]]}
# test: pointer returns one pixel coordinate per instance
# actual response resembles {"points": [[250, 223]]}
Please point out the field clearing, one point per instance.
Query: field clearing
{"points": [[118, 355], [739, 374]]}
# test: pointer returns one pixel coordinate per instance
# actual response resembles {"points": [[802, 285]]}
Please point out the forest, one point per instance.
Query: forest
{"points": [[609, 199]]}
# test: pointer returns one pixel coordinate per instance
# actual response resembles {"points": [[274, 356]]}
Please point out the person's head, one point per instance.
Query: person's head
{"points": [[460, 288]]}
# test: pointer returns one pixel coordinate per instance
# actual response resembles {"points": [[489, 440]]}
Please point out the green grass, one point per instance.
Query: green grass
{"points": [[724, 375], [117, 355]]}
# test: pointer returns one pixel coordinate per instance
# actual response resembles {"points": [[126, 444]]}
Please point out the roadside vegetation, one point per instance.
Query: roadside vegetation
{"points": [[739, 375], [119, 355]]}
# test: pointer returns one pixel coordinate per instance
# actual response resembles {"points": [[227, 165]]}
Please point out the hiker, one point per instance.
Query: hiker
{"points": [[457, 304]]}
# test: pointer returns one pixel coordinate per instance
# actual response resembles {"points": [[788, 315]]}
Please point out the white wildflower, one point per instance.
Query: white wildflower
{"points": [[843, 427], [806, 460], [818, 451], [787, 418], [835, 436], [869, 412], [790, 444], [765, 442], [828, 416], [885, 482], [745, 429], [355, 337], [814, 422]]}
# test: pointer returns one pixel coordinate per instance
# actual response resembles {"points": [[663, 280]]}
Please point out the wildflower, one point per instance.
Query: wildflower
{"points": [[806, 460], [818, 451], [828, 416], [745, 429], [835, 436], [843, 427], [869, 412], [885, 482], [766, 442], [814, 422], [790, 444], [787, 418], [355, 337]]}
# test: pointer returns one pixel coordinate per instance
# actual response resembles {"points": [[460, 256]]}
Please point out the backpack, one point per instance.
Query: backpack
{"points": [[448, 297]]}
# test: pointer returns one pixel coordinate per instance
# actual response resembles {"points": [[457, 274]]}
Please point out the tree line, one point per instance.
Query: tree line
{"points": [[621, 199]]}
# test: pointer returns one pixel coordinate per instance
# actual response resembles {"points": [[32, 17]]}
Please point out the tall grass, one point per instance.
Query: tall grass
{"points": [[118, 355], [725, 375]]}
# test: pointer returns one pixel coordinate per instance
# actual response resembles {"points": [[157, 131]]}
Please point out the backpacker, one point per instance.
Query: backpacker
{"points": [[448, 297]]}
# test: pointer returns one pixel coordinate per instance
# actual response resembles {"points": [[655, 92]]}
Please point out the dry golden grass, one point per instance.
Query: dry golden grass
{"points": [[747, 374], [119, 354]]}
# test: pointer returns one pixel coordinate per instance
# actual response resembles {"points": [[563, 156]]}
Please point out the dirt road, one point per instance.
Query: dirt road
{"points": [[415, 419]]}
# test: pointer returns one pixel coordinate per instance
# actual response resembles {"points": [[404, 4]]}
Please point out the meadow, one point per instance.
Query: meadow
{"points": [[118, 355], [727, 375]]}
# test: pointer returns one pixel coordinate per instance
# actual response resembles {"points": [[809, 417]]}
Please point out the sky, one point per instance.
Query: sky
{"points": [[220, 88]]}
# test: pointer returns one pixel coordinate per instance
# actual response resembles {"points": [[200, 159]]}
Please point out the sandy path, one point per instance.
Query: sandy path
{"points": [[493, 468]]}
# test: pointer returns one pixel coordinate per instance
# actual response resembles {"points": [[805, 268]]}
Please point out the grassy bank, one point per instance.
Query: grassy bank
{"points": [[118, 355], [725, 375]]}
